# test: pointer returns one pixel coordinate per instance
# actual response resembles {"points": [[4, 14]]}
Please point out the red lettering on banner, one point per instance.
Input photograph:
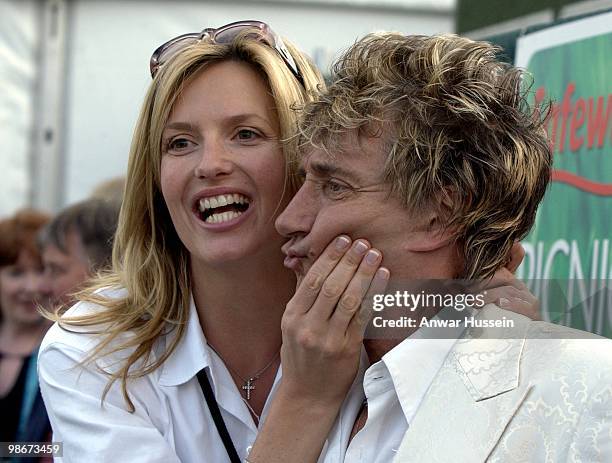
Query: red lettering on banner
{"points": [[565, 111], [554, 115], [577, 121], [598, 125], [539, 95], [596, 112]]}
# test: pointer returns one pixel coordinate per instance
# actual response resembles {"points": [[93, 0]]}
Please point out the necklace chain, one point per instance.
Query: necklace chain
{"points": [[249, 382]]}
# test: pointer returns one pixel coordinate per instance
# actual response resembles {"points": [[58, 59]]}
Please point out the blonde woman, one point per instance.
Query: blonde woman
{"points": [[198, 282]]}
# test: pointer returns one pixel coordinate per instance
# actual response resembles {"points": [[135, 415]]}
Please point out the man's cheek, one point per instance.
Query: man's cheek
{"points": [[327, 227]]}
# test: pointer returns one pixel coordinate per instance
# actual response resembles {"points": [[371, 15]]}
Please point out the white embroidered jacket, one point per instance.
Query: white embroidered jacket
{"points": [[542, 396]]}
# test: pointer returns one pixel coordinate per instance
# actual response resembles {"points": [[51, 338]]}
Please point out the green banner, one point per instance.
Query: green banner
{"points": [[568, 264]]}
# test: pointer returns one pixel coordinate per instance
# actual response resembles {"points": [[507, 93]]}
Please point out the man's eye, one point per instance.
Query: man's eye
{"points": [[334, 188]]}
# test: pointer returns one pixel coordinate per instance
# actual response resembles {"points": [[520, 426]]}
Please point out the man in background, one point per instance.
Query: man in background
{"points": [[76, 244]]}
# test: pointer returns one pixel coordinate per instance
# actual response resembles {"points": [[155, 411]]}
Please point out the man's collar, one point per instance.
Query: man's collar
{"points": [[190, 355], [422, 354]]}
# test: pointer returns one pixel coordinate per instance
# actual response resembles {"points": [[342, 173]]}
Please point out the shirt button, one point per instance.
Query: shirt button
{"points": [[248, 449]]}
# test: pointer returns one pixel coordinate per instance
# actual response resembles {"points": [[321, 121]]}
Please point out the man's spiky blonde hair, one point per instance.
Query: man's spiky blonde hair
{"points": [[458, 131]]}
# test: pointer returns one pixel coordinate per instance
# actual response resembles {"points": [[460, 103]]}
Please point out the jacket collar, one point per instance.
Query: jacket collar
{"points": [[473, 397], [488, 358]]}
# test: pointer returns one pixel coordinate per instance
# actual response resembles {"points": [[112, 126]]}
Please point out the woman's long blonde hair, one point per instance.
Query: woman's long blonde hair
{"points": [[149, 260]]}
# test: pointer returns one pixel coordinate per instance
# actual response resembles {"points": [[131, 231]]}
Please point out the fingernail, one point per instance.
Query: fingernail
{"points": [[361, 247], [383, 273], [372, 257], [503, 302], [342, 242]]}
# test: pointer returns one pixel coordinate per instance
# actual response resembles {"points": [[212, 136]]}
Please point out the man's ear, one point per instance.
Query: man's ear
{"points": [[431, 238], [433, 232], [515, 256]]}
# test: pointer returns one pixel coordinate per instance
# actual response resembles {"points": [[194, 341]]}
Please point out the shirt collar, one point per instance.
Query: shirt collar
{"points": [[414, 363], [190, 355]]}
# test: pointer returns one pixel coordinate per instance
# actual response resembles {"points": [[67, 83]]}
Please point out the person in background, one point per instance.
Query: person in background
{"points": [[110, 190], [22, 290], [76, 244]]}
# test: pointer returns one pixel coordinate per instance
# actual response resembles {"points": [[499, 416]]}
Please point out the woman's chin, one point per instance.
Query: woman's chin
{"points": [[223, 257], [239, 252]]}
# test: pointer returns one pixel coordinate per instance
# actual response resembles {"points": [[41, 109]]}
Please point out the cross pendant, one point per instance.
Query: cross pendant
{"points": [[248, 387]]}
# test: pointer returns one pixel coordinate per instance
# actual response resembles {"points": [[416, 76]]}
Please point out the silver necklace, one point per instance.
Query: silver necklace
{"points": [[249, 383]]}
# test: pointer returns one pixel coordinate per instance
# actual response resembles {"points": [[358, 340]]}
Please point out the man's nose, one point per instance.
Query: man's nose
{"points": [[300, 214], [215, 160]]}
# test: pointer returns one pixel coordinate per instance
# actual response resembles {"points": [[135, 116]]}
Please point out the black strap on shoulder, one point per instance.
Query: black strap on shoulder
{"points": [[216, 416]]}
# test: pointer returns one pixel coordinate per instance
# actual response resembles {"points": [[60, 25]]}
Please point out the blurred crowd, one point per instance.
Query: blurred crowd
{"points": [[44, 261]]}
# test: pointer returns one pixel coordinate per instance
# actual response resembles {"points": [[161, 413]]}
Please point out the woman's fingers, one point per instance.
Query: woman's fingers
{"points": [[503, 277], [319, 359], [359, 322], [308, 290], [332, 295], [354, 296], [515, 300], [351, 269]]}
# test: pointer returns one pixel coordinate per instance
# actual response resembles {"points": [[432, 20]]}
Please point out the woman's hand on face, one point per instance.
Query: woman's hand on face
{"points": [[324, 323], [323, 327], [507, 292]]}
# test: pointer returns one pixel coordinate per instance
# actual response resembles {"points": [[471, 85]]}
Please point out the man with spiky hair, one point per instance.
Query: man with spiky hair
{"points": [[427, 147]]}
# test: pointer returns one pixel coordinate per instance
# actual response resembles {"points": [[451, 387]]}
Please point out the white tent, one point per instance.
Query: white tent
{"points": [[73, 74]]}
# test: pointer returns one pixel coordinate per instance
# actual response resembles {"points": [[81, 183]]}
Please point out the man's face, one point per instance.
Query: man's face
{"points": [[65, 271], [345, 194]]}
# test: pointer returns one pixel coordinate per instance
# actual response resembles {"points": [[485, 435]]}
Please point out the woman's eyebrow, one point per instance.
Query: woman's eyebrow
{"points": [[181, 126], [237, 119]]}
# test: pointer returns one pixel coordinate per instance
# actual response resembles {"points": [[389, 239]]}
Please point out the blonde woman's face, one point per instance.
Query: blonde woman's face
{"points": [[223, 169]]}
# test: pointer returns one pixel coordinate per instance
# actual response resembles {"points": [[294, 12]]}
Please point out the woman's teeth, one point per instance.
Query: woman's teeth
{"points": [[229, 207], [222, 200], [222, 217]]}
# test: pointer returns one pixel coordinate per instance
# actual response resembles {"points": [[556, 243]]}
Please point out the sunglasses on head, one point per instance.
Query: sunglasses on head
{"points": [[259, 31]]}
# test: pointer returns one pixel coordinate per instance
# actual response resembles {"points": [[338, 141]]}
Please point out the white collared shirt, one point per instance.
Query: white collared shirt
{"points": [[394, 387], [171, 422]]}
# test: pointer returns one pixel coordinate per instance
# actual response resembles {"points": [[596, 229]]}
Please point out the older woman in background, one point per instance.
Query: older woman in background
{"points": [[22, 289]]}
